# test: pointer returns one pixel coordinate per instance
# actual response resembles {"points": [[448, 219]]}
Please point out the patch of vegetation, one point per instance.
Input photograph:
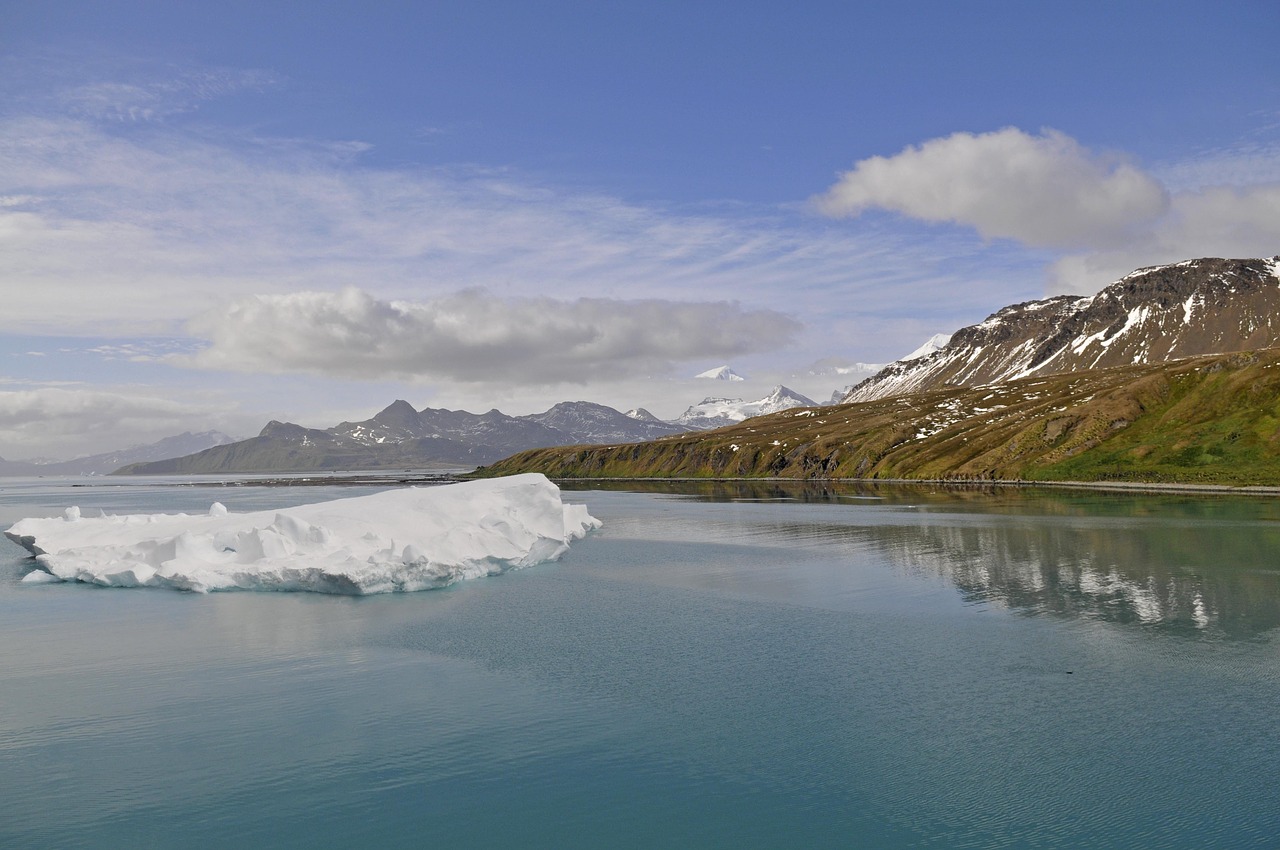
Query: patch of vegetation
{"points": [[1203, 420]]}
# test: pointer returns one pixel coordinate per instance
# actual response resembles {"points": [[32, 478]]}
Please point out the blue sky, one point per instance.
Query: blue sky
{"points": [[216, 214]]}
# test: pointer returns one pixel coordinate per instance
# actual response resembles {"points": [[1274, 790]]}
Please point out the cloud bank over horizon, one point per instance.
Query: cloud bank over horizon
{"points": [[77, 421], [474, 337]]}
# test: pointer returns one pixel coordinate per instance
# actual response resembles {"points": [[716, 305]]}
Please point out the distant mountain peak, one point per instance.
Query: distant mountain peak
{"points": [[398, 414], [720, 373], [107, 462], [718, 412], [937, 342]]}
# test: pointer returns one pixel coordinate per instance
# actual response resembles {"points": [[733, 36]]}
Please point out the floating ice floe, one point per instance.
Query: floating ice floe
{"points": [[397, 540]]}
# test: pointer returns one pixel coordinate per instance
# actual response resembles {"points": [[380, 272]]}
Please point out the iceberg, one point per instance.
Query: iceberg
{"points": [[398, 540]]}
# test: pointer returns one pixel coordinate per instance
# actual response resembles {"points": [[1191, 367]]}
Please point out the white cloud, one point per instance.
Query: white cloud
{"points": [[1215, 222], [1042, 190], [473, 336], [1048, 191], [133, 232], [75, 422]]}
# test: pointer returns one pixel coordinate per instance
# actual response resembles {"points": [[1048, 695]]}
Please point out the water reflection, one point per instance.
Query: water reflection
{"points": [[1185, 564], [1206, 578]]}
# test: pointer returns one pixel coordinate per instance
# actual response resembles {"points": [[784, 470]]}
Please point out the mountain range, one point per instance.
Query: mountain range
{"points": [[1171, 374], [1202, 420], [400, 436], [1153, 315]]}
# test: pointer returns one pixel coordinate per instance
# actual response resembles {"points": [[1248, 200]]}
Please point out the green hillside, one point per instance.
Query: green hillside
{"points": [[1213, 419]]}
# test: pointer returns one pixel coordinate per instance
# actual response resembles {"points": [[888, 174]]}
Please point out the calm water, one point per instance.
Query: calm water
{"points": [[730, 667]]}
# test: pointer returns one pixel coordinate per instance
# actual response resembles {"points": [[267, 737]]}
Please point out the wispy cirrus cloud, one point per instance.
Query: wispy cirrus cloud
{"points": [[135, 233], [121, 91]]}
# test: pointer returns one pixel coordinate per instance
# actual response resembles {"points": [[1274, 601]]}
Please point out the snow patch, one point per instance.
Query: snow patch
{"points": [[718, 412], [937, 342], [720, 373]]}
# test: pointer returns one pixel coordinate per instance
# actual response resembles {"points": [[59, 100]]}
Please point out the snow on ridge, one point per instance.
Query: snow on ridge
{"points": [[397, 540], [717, 412], [1185, 264], [937, 342], [1122, 323]]}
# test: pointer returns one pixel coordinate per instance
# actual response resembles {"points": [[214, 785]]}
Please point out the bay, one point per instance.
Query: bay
{"points": [[731, 665]]}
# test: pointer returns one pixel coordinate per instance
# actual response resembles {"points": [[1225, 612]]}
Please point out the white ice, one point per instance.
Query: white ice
{"points": [[397, 540]]}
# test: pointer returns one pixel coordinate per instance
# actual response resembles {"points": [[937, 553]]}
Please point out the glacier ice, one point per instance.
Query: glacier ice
{"points": [[398, 540]]}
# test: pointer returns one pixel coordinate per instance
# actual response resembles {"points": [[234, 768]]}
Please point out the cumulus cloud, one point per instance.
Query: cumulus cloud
{"points": [[1048, 191], [75, 422], [1044, 190], [1223, 221], [473, 336]]}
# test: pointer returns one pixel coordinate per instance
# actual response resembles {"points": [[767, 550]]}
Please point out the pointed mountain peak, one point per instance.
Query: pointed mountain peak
{"points": [[397, 414], [937, 342], [720, 373], [276, 428], [780, 392]]}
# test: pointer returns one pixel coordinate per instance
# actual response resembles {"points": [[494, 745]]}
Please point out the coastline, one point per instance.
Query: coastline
{"points": [[412, 479], [1124, 486]]}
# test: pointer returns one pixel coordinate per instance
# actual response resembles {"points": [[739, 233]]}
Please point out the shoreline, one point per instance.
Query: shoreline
{"points": [[359, 479], [1123, 486]]}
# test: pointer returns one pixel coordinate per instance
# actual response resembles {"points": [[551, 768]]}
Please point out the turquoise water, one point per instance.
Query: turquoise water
{"points": [[727, 667]]}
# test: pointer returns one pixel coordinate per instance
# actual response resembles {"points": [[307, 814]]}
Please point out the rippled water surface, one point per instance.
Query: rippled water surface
{"points": [[727, 666]]}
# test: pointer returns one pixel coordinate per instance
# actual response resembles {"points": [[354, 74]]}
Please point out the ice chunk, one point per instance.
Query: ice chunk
{"points": [[398, 540]]}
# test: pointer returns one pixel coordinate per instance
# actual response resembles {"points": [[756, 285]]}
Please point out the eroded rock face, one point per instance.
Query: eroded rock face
{"points": [[1154, 315]]}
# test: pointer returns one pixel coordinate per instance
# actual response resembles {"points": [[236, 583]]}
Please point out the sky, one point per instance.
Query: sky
{"points": [[217, 214]]}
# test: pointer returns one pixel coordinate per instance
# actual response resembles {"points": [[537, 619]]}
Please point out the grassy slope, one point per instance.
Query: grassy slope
{"points": [[1209, 419]]}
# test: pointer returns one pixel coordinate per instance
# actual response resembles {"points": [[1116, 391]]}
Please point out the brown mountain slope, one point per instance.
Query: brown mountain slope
{"points": [[1213, 419], [1154, 315]]}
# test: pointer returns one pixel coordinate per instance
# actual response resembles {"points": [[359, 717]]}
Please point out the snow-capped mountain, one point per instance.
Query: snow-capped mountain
{"points": [[720, 373], [400, 436], [831, 366], [587, 422], [718, 412], [937, 342], [1157, 314]]}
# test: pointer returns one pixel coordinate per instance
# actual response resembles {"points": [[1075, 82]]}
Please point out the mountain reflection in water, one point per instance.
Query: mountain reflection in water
{"points": [[1202, 565]]}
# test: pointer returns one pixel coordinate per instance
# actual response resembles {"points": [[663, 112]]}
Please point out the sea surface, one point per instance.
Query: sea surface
{"points": [[720, 666]]}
